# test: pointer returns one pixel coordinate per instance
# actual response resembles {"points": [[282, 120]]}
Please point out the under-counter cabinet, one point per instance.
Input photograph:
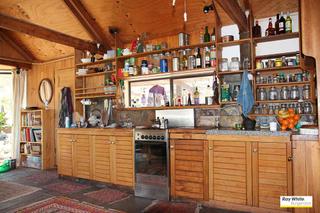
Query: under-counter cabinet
{"points": [[249, 171], [189, 165], [102, 156]]}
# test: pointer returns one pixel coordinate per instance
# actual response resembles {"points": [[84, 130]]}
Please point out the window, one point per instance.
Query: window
{"points": [[150, 93], [189, 85]]}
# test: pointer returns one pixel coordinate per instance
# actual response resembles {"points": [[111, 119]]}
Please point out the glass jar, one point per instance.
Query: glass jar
{"points": [[284, 93], [273, 94], [224, 65], [258, 78], [294, 93], [259, 64], [278, 62], [264, 110], [235, 64], [306, 92], [276, 109], [262, 94], [307, 109]]}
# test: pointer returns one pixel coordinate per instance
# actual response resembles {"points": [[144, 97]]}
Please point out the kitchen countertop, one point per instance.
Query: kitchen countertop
{"points": [[246, 132]]}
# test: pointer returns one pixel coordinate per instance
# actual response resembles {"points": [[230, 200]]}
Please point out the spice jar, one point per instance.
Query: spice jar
{"points": [[224, 65], [278, 62], [284, 93], [235, 64], [307, 109], [259, 64], [273, 94], [306, 92]]}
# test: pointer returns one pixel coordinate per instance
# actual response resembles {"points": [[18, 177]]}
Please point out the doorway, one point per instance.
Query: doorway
{"points": [[6, 114]]}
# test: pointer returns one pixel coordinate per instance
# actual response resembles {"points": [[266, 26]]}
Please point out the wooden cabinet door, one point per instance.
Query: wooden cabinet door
{"points": [[65, 154], [230, 172], [122, 155], [81, 157], [101, 158], [271, 173], [188, 159]]}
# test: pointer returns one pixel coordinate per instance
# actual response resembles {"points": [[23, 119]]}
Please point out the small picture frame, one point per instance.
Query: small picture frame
{"points": [[36, 149], [37, 135]]}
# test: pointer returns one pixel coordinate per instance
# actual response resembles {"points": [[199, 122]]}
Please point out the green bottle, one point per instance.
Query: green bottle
{"points": [[288, 23], [206, 36]]}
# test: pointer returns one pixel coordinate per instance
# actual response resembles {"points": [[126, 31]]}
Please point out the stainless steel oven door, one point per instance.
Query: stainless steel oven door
{"points": [[152, 170]]}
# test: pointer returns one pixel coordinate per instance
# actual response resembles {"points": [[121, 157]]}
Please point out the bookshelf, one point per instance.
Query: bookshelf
{"points": [[35, 146]]}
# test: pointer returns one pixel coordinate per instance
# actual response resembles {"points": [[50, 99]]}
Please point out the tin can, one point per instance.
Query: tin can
{"points": [[163, 65], [183, 39], [191, 62], [175, 64]]}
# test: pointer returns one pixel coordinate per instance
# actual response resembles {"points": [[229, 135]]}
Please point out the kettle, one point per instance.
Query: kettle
{"points": [[248, 123]]}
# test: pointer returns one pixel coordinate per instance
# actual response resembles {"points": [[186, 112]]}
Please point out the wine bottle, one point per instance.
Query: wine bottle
{"points": [[207, 57], [198, 59], [206, 36], [213, 35], [282, 24], [196, 96], [277, 24], [256, 31]]}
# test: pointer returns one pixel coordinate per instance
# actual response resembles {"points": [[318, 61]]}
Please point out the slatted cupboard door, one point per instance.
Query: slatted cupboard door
{"points": [[65, 154], [101, 158], [81, 156], [189, 168], [273, 172], [230, 172], [123, 160]]}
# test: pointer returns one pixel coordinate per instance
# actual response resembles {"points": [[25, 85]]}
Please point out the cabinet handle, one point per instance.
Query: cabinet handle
{"points": [[172, 147], [255, 150], [290, 158], [210, 148]]}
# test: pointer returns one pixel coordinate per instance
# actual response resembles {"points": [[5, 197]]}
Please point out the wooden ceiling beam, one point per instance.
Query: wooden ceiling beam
{"points": [[88, 22], [18, 25], [15, 63], [17, 45], [234, 11]]}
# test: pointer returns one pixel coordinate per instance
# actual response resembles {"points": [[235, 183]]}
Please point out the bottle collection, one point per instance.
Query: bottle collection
{"points": [[282, 25], [176, 61], [303, 76]]}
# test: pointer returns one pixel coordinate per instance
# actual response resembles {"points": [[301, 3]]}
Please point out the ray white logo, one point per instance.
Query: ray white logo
{"points": [[295, 201]]}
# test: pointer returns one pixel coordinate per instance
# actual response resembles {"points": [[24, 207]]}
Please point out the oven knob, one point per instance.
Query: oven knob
{"points": [[154, 137], [158, 137], [162, 137], [142, 136], [150, 137]]}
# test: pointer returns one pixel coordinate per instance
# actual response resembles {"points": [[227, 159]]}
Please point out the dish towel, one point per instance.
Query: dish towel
{"points": [[245, 97]]}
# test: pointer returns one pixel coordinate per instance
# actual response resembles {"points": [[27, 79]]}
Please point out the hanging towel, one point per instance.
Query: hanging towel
{"points": [[245, 97], [66, 107]]}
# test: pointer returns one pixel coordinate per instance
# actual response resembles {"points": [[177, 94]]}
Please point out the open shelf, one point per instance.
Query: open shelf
{"points": [[283, 84], [275, 69], [277, 55], [231, 72], [276, 37], [171, 107], [95, 95], [227, 102], [95, 74], [234, 43], [98, 62], [274, 115], [139, 55], [182, 73], [282, 101]]}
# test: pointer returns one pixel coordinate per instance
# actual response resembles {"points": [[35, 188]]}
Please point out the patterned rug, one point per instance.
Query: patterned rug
{"points": [[10, 191], [171, 207], [66, 187], [107, 195], [42, 177], [63, 205]]}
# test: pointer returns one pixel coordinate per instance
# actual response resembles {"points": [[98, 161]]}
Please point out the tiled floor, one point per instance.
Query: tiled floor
{"points": [[43, 180]]}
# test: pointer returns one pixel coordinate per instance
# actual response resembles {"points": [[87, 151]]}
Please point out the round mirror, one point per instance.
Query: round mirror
{"points": [[45, 91]]}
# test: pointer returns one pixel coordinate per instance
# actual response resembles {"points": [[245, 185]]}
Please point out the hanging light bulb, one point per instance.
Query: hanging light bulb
{"points": [[185, 18], [173, 3]]}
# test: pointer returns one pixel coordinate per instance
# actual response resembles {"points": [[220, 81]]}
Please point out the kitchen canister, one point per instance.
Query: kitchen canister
{"points": [[163, 65]]}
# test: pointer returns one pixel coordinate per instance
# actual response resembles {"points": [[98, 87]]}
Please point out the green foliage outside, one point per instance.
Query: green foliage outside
{"points": [[3, 120]]}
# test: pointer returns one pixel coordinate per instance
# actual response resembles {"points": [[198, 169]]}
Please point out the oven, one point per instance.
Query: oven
{"points": [[152, 163]]}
